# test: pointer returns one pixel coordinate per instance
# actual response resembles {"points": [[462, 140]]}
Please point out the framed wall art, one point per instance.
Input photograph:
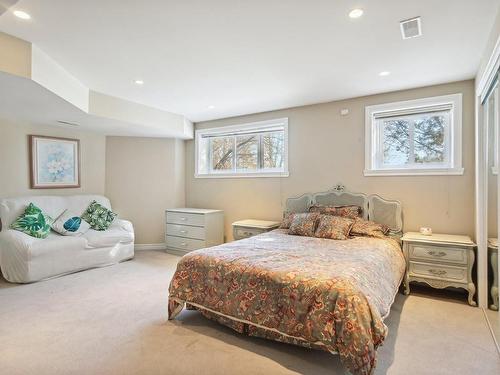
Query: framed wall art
{"points": [[54, 162]]}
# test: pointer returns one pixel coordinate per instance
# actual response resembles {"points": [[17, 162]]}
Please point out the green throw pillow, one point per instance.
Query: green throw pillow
{"points": [[99, 217], [33, 222]]}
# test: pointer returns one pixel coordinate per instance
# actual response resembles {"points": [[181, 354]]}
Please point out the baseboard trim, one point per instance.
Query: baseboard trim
{"points": [[149, 246]]}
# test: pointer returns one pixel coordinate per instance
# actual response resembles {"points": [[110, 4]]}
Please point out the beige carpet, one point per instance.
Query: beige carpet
{"points": [[113, 321]]}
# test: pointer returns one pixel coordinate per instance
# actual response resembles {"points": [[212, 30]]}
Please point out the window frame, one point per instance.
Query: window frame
{"points": [[264, 126], [453, 148]]}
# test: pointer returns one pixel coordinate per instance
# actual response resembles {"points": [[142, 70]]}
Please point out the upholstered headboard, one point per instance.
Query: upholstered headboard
{"points": [[375, 208]]}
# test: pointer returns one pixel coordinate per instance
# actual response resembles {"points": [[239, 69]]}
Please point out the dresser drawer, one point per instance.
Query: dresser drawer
{"points": [[186, 231], [186, 244], [185, 218], [438, 253], [435, 271], [240, 233]]}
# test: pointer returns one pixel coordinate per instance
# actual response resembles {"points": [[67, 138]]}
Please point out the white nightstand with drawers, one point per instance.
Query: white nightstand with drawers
{"points": [[189, 229], [439, 260], [250, 227]]}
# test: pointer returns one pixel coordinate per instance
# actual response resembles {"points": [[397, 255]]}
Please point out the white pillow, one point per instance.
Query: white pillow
{"points": [[70, 224]]}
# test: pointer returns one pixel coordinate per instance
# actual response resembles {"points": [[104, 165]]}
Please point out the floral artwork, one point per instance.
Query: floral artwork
{"points": [[54, 162]]}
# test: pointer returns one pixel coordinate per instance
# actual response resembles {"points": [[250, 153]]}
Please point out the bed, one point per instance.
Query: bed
{"points": [[314, 292]]}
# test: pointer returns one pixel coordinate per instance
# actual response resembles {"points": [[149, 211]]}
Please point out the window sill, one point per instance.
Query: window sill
{"points": [[414, 172], [243, 175]]}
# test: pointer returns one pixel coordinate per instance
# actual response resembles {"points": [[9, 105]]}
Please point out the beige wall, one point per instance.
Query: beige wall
{"points": [[145, 176], [14, 159], [326, 148]]}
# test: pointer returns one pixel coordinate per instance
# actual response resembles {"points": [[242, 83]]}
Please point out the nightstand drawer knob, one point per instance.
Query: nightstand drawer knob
{"points": [[437, 272], [436, 253]]}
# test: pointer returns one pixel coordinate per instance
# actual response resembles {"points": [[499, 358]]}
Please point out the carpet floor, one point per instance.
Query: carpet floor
{"points": [[113, 320]]}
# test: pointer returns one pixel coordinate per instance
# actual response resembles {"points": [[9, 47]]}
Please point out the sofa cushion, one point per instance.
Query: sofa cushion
{"points": [[98, 216], [121, 231], [34, 222], [70, 224]]}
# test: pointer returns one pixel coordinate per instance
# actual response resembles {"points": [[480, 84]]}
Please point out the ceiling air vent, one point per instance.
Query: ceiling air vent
{"points": [[67, 123], [411, 28]]}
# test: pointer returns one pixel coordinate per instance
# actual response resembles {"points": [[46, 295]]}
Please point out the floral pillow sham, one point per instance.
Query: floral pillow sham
{"points": [[287, 220], [34, 222], [334, 227], [304, 224], [369, 228], [350, 211]]}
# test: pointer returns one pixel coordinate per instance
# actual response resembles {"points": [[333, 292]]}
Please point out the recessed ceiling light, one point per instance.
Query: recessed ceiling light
{"points": [[211, 107], [22, 15], [384, 73], [139, 82], [356, 13]]}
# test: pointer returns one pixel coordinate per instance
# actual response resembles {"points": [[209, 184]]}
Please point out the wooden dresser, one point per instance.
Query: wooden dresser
{"points": [[439, 260], [189, 229]]}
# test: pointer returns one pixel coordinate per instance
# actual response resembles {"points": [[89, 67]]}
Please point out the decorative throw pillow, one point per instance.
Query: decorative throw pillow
{"points": [[352, 212], [33, 222], [334, 227], [304, 224], [70, 224], [287, 220], [98, 216], [368, 228]]}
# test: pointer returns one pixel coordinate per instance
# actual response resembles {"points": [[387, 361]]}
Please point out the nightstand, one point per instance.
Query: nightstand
{"points": [[439, 260], [248, 228]]}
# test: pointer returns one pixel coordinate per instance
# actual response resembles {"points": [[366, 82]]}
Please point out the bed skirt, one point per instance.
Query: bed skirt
{"points": [[175, 306]]}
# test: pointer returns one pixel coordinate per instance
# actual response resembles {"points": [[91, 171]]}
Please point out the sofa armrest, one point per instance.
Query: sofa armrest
{"points": [[10, 238], [122, 224]]}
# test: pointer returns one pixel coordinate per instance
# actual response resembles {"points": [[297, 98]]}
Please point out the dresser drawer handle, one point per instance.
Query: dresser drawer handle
{"points": [[436, 254], [183, 218], [437, 272], [183, 244], [183, 231]]}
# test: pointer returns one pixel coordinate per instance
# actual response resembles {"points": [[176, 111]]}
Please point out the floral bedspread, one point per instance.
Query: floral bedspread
{"points": [[327, 293]]}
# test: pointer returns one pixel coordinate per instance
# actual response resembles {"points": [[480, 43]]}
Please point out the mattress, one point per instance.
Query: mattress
{"points": [[314, 292]]}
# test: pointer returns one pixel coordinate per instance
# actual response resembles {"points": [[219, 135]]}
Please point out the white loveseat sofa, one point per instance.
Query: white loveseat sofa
{"points": [[24, 259]]}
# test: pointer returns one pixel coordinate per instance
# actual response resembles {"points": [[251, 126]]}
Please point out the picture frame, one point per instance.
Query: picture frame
{"points": [[54, 162]]}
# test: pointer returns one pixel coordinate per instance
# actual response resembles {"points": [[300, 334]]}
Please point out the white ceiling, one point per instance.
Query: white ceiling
{"points": [[44, 107], [253, 56]]}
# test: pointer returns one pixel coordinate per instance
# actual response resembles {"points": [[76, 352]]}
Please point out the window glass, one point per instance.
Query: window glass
{"points": [[222, 152], [247, 152]]}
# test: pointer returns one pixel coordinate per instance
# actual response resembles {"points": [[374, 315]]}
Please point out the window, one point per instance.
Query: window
{"points": [[251, 150], [415, 137]]}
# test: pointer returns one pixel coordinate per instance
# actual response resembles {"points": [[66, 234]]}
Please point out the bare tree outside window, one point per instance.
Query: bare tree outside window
{"points": [[396, 142], [253, 151], [247, 152], [222, 153], [414, 139], [273, 150], [429, 139]]}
